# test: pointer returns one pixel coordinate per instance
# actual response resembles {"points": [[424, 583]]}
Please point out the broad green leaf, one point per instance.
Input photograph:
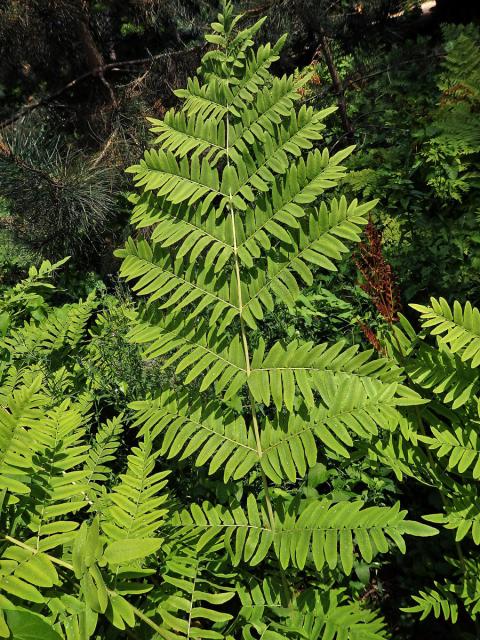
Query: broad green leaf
{"points": [[25, 625]]}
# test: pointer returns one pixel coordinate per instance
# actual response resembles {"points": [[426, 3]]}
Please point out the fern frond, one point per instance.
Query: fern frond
{"points": [[288, 447], [219, 436], [459, 329], [272, 105], [315, 612], [192, 595], [196, 347], [160, 277], [57, 489], [102, 451], [317, 242], [322, 368], [183, 136], [444, 373], [256, 71], [55, 336], [438, 600], [58, 482], [209, 101], [461, 63], [398, 454], [258, 165], [433, 368], [289, 139], [329, 531], [456, 438], [462, 514], [137, 506], [288, 442], [468, 591], [277, 215], [183, 227], [186, 180], [232, 204], [320, 530], [16, 451]]}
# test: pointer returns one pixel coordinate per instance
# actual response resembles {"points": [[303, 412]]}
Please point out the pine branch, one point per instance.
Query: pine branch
{"points": [[97, 71]]}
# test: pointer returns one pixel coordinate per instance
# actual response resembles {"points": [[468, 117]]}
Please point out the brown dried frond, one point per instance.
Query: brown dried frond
{"points": [[459, 92], [378, 279], [371, 336]]}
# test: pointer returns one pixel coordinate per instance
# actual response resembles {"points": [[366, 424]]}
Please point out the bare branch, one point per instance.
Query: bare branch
{"points": [[97, 71]]}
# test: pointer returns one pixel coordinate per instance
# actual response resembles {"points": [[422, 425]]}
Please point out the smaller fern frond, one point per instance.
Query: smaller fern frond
{"points": [[438, 600], [459, 329], [102, 451], [59, 480], [137, 508], [193, 595], [314, 612], [461, 514], [455, 439], [24, 405]]}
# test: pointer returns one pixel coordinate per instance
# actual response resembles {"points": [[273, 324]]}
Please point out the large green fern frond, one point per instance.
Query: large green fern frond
{"points": [[235, 216]]}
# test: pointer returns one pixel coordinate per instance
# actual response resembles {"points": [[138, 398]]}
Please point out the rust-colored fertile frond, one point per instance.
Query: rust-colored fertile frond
{"points": [[460, 92], [378, 279], [371, 336]]}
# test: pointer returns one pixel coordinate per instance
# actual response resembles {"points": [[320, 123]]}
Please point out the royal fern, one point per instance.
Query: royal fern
{"points": [[185, 517], [234, 193]]}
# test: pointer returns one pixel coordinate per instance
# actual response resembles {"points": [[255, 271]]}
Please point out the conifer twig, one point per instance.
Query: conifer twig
{"points": [[97, 71]]}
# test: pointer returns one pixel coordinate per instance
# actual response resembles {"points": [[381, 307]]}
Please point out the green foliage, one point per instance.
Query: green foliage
{"points": [[232, 481], [15, 257], [331, 615], [445, 436], [452, 152], [398, 99], [459, 330]]}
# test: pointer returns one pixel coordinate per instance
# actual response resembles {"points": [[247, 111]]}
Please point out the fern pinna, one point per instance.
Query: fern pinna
{"points": [[234, 195]]}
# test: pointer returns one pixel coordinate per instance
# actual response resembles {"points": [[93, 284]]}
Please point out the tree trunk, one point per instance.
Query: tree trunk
{"points": [[337, 85], [93, 56]]}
